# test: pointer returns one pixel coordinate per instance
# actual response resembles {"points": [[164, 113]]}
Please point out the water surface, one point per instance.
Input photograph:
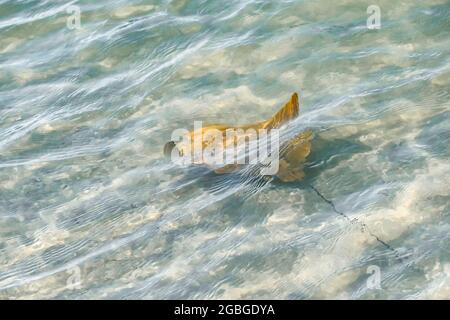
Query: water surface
{"points": [[90, 208]]}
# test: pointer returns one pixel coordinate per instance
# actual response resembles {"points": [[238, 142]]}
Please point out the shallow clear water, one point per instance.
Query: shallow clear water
{"points": [[90, 208]]}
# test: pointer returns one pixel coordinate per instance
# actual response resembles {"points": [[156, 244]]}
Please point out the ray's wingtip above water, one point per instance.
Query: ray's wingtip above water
{"points": [[292, 153], [287, 113]]}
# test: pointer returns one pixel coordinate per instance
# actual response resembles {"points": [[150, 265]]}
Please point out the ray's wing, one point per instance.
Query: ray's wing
{"points": [[288, 112], [298, 148], [293, 155]]}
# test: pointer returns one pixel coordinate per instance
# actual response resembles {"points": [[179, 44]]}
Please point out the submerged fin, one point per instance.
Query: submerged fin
{"points": [[289, 111], [293, 156], [298, 148], [289, 173]]}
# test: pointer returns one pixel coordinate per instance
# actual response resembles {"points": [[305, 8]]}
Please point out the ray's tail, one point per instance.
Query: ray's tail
{"points": [[364, 227]]}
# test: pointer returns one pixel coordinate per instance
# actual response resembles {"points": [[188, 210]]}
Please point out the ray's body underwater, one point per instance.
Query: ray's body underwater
{"points": [[292, 153]]}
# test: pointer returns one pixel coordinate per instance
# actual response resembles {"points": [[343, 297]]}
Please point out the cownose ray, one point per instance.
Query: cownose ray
{"points": [[292, 154]]}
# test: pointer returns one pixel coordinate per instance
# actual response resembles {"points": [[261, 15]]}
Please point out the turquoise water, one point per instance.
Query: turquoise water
{"points": [[90, 208]]}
